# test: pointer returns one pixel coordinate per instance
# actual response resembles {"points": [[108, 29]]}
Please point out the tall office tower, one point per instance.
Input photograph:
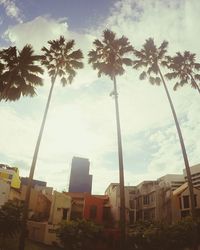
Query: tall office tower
{"points": [[80, 179], [195, 175]]}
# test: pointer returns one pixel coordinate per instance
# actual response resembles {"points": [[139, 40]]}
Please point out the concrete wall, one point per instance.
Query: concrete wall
{"points": [[114, 197], [36, 230], [4, 192], [60, 203], [98, 203]]}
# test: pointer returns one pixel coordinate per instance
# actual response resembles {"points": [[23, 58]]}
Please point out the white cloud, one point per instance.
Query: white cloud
{"points": [[12, 10]]}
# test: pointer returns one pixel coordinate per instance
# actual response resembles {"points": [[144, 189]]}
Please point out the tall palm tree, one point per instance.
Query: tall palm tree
{"points": [[109, 58], [61, 60], [152, 58], [184, 68], [19, 73]]}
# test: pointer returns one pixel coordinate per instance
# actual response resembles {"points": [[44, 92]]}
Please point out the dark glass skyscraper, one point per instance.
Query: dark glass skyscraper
{"points": [[80, 179]]}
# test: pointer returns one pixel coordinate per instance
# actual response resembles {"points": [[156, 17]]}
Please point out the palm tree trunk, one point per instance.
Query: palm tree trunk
{"points": [[121, 170], [31, 174], [187, 167]]}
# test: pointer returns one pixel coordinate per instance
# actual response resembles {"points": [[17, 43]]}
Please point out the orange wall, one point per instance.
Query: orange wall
{"points": [[91, 200]]}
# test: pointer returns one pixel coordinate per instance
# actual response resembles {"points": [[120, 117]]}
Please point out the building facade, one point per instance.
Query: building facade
{"points": [[181, 204], [80, 179], [195, 175], [172, 181], [10, 175]]}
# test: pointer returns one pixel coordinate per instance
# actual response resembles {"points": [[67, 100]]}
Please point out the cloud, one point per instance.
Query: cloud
{"points": [[12, 10]]}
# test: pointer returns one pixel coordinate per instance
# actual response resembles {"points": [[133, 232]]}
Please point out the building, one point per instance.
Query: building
{"points": [[9, 184], [80, 179], [195, 174], [172, 181], [4, 192], [113, 192], [44, 231], [97, 209], [40, 199], [60, 208], [10, 175], [35, 183], [181, 204], [77, 204], [153, 202]]}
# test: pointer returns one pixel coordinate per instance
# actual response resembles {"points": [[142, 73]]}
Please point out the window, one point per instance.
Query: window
{"points": [[152, 198], [186, 203], [65, 212], [146, 199], [107, 216], [132, 204], [131, 217], [93, 212]]}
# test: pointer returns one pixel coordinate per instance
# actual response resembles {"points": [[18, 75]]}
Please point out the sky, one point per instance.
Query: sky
{"points": [[81, 119]]}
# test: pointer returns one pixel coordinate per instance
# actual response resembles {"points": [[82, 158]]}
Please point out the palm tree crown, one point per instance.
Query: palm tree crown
{"points": [[19, 73], [185, 69], [61, 60], [108, 55], [150, 57]]}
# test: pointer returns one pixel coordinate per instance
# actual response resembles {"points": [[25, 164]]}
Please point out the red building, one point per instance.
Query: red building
{"points": [[95, 208]]}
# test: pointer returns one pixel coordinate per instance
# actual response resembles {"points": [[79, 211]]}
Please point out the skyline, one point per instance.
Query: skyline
{"points": [[81, 119]]}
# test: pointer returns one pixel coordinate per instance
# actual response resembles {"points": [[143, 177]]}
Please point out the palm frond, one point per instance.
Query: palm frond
{"points": [[171, 75], [143, 75], [109, 36], [77, 54], [109, 55]]}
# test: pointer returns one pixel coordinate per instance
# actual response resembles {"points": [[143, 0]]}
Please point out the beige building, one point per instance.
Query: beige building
{"points": [[181, 204], [147, 201], [172, 181], [113, 192], [153, 202], [60, 208], [40, 202], [45, 231], [77, 204]]}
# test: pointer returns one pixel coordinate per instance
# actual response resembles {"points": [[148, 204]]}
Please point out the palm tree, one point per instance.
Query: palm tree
{"points": [[109, 59], [152, 58], [184, 68], [61, 61], [19, 73]]}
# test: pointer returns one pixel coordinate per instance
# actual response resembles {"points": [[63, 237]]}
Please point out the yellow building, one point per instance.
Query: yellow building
{"points": [[10, 175]]}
